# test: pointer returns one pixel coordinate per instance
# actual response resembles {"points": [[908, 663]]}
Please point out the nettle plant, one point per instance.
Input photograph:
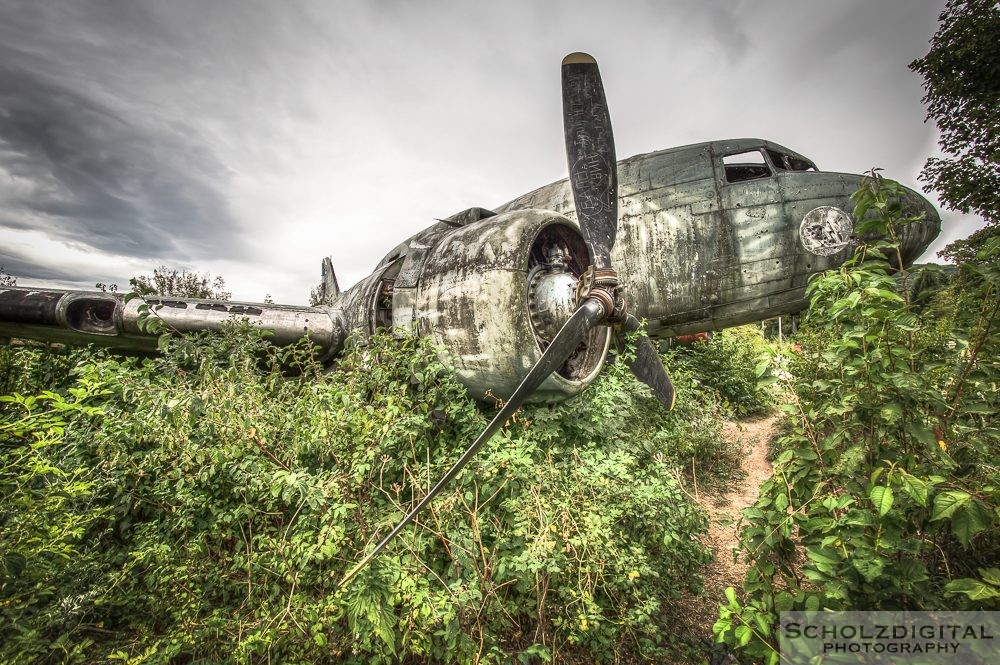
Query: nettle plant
{"points": [[885, 487]]}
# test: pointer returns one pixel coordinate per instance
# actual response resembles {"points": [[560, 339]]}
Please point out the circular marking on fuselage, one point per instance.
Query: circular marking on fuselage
{"points": [[826, 230]]}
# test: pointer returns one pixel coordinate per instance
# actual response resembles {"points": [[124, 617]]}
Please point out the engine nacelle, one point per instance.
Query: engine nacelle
{"points": [[493, 290]]}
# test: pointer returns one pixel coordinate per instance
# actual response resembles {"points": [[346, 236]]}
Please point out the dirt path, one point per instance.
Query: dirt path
{"points": [[752, 436]]}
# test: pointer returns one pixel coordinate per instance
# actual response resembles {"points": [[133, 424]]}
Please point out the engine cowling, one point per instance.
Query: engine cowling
{"points": [[493, 291]]}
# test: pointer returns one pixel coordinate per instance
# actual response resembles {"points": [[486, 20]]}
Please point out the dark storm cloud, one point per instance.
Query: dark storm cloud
{"points": [[83, 165], [82, 172], [17, 264]]}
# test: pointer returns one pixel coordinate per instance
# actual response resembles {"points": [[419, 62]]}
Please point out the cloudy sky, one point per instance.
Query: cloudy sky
{"points": [[250, 139]]}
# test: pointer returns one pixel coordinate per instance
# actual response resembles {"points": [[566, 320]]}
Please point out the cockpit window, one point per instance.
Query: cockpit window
{"points": [[748, 165], [797, 164], [778, 159], [788, 163]]}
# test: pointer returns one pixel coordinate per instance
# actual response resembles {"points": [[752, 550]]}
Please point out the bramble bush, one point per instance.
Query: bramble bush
{"points": [[204, 505], [885, 488]]}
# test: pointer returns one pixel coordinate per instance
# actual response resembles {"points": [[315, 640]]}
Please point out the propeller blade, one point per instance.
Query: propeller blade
{"points": [[566, 341], [647, 364], [590, 151]]}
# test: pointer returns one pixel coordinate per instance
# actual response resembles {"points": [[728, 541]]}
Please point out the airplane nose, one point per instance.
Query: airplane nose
{"points": [[914, 238]]}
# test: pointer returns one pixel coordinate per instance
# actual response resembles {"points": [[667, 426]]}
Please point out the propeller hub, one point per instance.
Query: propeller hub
{"points": [[551, 301], [602, 284]]}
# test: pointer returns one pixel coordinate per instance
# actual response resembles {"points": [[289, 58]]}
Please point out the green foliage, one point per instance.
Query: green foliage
{"points": [[180, 284], [33, 367], [925, 282], [885, 491], [37, 552], [730, 364], [204, 505], [962, 92]]}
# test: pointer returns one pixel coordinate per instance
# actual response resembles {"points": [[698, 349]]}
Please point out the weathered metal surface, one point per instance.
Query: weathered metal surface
{"points": [[551, 300], [29, 307], [464, 284], [697, 252], [67, 317], [356, 305], [472, 300], [329, 288], [590, 151], [415, 249]]}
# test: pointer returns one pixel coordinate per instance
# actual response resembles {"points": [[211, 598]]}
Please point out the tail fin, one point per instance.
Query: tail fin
{"points": [[329, 289]]}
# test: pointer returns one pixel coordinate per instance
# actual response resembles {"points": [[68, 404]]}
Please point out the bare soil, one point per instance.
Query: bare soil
{"points": [[698, 613]]}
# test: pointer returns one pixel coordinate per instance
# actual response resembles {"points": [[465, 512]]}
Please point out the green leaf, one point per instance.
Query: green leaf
{"points": [[921, 433], [973, 518], [916, 488], [882, 497], [15, 563], [972, 588], [762, 625], [869, 567], [909, 571], [991, 575], [946, 503], [823, 555], [783, 601], [892, 411]]}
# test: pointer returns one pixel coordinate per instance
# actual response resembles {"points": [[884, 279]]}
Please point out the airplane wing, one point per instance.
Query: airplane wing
{"points": [[117, 321]]}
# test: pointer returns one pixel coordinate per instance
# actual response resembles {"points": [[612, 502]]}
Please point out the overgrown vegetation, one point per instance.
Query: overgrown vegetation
{"points": [[885, 491], [33, 367], [203, 505], [730, 365], [961, 75], [885, 487], [178, 283]]}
